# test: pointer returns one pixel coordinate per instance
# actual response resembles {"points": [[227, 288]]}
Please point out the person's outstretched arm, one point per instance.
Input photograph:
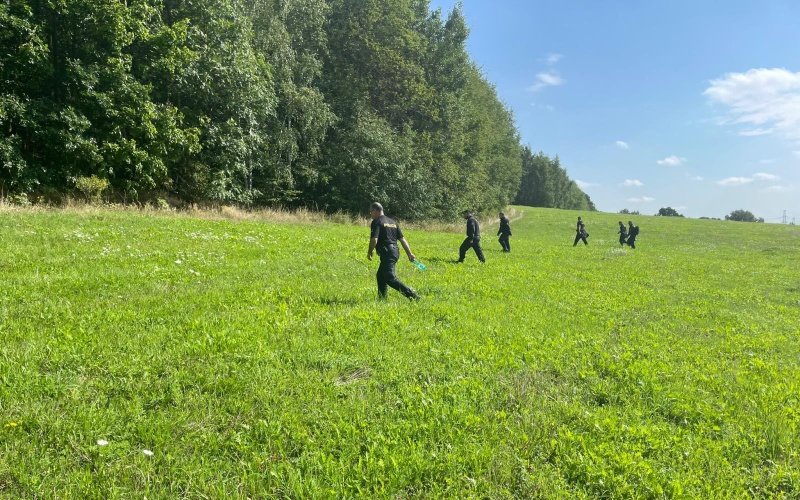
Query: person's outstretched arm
{"points": [[407, 248]]}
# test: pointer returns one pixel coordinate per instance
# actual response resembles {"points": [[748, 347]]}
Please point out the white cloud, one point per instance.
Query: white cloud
{"points": [[696, 178], [643, 199], [739, 181], [765, 177], [756, 132], [768, 99], [553, 58], [671, 161], [777, 189], [735, 181], [632, 182], [547, 79], [583, 185], [623, 145]]}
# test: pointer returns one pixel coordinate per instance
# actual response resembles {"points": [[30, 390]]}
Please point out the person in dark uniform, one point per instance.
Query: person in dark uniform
{"points": [[633, 232], [623, 233], [473, 239], [384, 235], [580, 233], [504, 232]]}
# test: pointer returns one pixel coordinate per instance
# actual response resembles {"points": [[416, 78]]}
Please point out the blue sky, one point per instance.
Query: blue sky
{"points": [[689, 104]]}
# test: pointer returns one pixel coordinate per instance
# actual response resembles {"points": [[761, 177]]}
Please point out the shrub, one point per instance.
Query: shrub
{"points": [[91, 187]]}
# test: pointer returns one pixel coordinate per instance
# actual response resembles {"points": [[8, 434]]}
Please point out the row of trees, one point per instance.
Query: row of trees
{"points": [[736, 215], [545, 183], [323, 103]]}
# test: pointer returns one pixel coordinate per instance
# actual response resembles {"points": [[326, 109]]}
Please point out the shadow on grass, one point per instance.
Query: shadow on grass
{"points": [[442, 260], [337, 301]]}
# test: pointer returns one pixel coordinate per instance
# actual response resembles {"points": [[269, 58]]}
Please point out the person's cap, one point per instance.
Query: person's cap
{"points": [[466, 212]]}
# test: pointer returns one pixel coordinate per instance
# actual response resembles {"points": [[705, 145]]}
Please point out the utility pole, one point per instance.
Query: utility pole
{"points": [[784, 216]]}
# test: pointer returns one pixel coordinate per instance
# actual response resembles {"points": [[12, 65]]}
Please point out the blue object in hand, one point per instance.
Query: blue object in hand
{"points": [[419, 264]]}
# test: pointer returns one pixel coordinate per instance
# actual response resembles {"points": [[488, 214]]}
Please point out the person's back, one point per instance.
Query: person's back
{"points": [[473, 228], [505, 226], [387, 231]]}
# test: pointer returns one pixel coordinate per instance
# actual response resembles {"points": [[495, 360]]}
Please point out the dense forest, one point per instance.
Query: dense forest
{"points": [[327, 104]]}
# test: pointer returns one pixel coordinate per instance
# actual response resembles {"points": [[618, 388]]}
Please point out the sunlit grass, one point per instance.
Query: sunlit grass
{"points": [[229, 357]]}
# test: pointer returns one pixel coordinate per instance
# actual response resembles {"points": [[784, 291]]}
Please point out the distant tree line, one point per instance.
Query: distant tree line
{"points": [[545, 183], [328, 104], [736, 215]]}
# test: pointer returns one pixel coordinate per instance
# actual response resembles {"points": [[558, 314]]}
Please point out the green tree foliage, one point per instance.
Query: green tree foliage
{"points": [[322, 103], [668, 212], [71, 105], [743, 216], [546, 184], [436, 123]]}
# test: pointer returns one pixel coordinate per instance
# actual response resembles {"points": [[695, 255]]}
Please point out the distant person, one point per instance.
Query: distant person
{"points": [[384, 235], [623, 233], [504, 232], [633, 232], [580, 233], [473, 239]]}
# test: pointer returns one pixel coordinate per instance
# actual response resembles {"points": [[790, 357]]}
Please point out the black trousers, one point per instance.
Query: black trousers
{"points": [[579, 237], [622, 237], [386, 276], [632, 241], [475, 245], [504, 242]]}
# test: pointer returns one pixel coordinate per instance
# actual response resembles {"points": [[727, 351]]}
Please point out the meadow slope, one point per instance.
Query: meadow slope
{"points": [[246, 359]]}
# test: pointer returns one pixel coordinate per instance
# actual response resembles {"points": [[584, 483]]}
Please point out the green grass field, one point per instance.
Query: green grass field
{"points": [[245, 359]]}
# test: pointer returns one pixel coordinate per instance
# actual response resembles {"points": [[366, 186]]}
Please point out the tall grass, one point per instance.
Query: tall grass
{"points": [[231, 355]]}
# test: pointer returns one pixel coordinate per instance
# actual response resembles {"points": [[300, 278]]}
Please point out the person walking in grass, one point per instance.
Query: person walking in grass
{"points": [[623, 233], [633, 232], [580, 233], [473, 239], [504, 232], [384, 235]]}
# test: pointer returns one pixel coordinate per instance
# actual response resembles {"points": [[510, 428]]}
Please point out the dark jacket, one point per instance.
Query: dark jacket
{"points": [[473, 230], [505, 227]]}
